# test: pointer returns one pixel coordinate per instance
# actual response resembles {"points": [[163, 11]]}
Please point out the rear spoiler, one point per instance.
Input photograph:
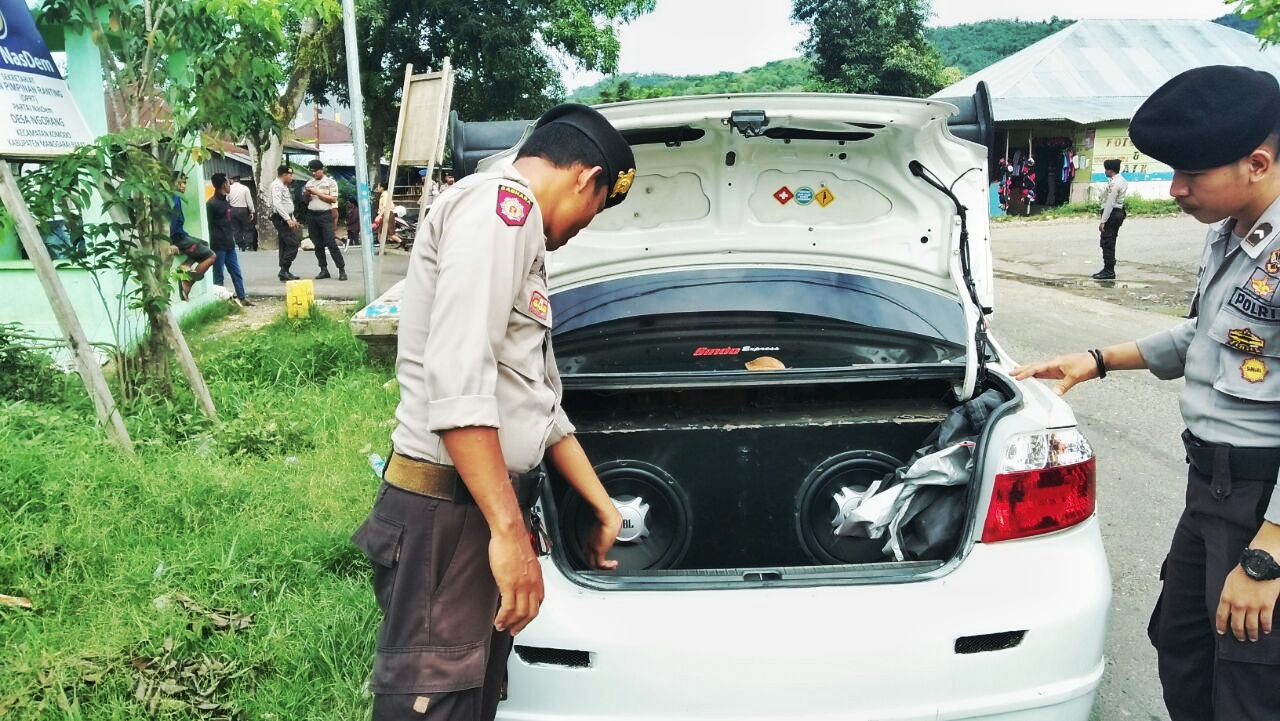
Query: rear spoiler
{"points": [[975, 122], [471, 142]]}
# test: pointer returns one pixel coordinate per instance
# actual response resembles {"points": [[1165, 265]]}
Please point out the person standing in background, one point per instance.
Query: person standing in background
{"points": [[1112, 217], [222, 238], [242, 214], [321, 193], [281, 194]]}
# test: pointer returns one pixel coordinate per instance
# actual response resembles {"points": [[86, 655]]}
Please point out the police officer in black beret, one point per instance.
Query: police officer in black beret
{"points": [[454, 571], [1213, 627]]}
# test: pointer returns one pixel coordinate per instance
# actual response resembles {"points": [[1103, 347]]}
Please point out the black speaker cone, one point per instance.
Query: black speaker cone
{"points": [[817, 508], [656, 521]]}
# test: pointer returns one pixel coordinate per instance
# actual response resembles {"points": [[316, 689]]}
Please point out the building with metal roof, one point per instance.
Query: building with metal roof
{"points": [[1069, 97]]}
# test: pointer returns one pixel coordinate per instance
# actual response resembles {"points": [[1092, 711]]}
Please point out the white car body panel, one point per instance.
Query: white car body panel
{"points": [[855, 653]]}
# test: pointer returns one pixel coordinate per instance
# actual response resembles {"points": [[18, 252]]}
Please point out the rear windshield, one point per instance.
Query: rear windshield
{"points": [[752, 319]]}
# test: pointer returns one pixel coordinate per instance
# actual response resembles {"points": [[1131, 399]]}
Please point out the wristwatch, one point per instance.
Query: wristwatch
{"points": [[1259, 565]]}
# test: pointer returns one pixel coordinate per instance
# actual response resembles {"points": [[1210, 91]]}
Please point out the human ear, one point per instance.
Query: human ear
{"points": [[586, 179], [1261, 160]]}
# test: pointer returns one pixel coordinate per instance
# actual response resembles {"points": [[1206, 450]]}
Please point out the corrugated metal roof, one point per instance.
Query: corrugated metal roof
{"points": [[1100, 70]]}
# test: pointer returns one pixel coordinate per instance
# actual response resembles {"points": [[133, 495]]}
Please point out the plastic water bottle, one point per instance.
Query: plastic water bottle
{"points": [[377, 463]]}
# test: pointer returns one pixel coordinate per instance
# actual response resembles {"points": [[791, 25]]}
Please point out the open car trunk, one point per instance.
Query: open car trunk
{"points": [[743, 482]]}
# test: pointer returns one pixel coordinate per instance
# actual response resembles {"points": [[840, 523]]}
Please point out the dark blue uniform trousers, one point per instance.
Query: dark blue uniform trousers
{"points": [[1206, 676]]}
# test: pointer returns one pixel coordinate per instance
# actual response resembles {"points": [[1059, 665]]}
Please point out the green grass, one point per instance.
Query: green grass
{"points": [[1134, 208], [252, 515]]}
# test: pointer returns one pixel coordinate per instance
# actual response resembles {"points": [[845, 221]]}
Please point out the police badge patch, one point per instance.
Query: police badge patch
{"points": [[1253, 370], [1272, 265], [1263, 284], [1244, 339], [513, 206], [539, 306]]}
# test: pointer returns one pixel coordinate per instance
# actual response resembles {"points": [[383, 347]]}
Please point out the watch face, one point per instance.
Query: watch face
{"points": [[1259, 564]]}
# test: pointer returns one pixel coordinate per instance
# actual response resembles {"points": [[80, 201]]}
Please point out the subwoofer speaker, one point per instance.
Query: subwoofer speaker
{"points": [[656, 517], [817, 507]]}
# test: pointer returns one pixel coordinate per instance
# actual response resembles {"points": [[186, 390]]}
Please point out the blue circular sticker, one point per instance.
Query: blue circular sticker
{"points": [[804, 195]]}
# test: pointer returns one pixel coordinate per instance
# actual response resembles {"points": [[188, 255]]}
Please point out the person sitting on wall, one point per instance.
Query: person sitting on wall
{"points": [[199, 256]]}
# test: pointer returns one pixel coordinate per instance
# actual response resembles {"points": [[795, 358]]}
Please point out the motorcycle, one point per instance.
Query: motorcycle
{"points": [[402, 231]]}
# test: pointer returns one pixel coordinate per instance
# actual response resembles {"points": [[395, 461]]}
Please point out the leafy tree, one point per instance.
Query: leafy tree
{"points": [[870, 46], [173, 68], [504, 54], [1258, 17]]}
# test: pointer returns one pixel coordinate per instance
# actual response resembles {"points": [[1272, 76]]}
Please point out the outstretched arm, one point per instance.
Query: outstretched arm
{"points": [[1072, 368]]}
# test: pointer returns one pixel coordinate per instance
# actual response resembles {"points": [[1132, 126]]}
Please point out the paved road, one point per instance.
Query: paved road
{"points": [[262, 268]]}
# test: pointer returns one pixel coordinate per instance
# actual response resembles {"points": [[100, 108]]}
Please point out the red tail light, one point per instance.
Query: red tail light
{"points": [[1046, 482]]}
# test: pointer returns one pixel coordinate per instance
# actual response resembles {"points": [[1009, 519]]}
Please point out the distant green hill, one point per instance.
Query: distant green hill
{"points": [[969, 48], [779, 76], [974, 46]]}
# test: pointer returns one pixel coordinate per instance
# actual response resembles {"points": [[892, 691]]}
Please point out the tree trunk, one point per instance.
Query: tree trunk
{"points": [[266, 160]]}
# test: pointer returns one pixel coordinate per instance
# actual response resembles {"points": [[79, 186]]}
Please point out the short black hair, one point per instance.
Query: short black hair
{"points": [[178, 175], [1112, 164], [218, 179], [564, 146], [283, 169]]}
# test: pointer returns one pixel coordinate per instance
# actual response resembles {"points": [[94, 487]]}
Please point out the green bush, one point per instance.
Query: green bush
{"points": [[306, 351], [25, 374]]}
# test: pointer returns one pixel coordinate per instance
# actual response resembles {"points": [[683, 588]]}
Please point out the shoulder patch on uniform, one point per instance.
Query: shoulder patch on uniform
{"points": [[539, 306], [513, 205]]}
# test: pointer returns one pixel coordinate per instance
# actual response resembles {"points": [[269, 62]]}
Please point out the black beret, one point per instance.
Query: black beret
{"points": [[316, 164], [619, 162], [1207, 117]]}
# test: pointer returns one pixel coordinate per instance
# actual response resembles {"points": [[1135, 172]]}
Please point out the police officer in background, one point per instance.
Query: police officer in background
{"points": [[321, 195], [1212, 628], [449, 535], [1112, 217]]}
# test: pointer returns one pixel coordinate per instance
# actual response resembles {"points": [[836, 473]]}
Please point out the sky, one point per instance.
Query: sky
{"points": [[698, 37]]}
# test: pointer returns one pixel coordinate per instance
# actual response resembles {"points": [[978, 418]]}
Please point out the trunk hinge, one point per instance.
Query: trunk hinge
{"points": [[981, 345]]}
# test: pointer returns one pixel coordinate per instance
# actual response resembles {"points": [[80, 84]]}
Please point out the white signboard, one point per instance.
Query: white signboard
{"points": [[38, 117]]}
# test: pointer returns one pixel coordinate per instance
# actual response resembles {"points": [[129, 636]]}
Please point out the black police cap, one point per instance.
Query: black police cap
{"points": [[619, 162], [316, 164], [1207, 117]]}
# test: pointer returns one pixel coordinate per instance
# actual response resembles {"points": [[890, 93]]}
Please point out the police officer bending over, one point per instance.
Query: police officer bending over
{"points": [[1212, 626], [454, 571]]}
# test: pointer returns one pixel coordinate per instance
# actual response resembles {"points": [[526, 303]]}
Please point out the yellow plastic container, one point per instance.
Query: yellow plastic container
{"points": [[301, 295]]}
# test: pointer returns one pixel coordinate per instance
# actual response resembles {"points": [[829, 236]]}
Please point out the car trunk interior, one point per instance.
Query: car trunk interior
{"points": [[739, 480]]}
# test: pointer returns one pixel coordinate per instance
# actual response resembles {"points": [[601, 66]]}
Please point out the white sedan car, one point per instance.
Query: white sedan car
{"points": [[838, 504]]}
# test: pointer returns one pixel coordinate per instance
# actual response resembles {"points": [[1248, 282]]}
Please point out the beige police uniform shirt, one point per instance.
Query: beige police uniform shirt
{"points": [[326, 186], [475, 326]]}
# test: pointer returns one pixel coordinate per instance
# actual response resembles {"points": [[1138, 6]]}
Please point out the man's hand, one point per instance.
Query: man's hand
{"points": [[1247, 606], [601, 539], [1068, 369], [1101, 227], [294, 224], [519, 579]]}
